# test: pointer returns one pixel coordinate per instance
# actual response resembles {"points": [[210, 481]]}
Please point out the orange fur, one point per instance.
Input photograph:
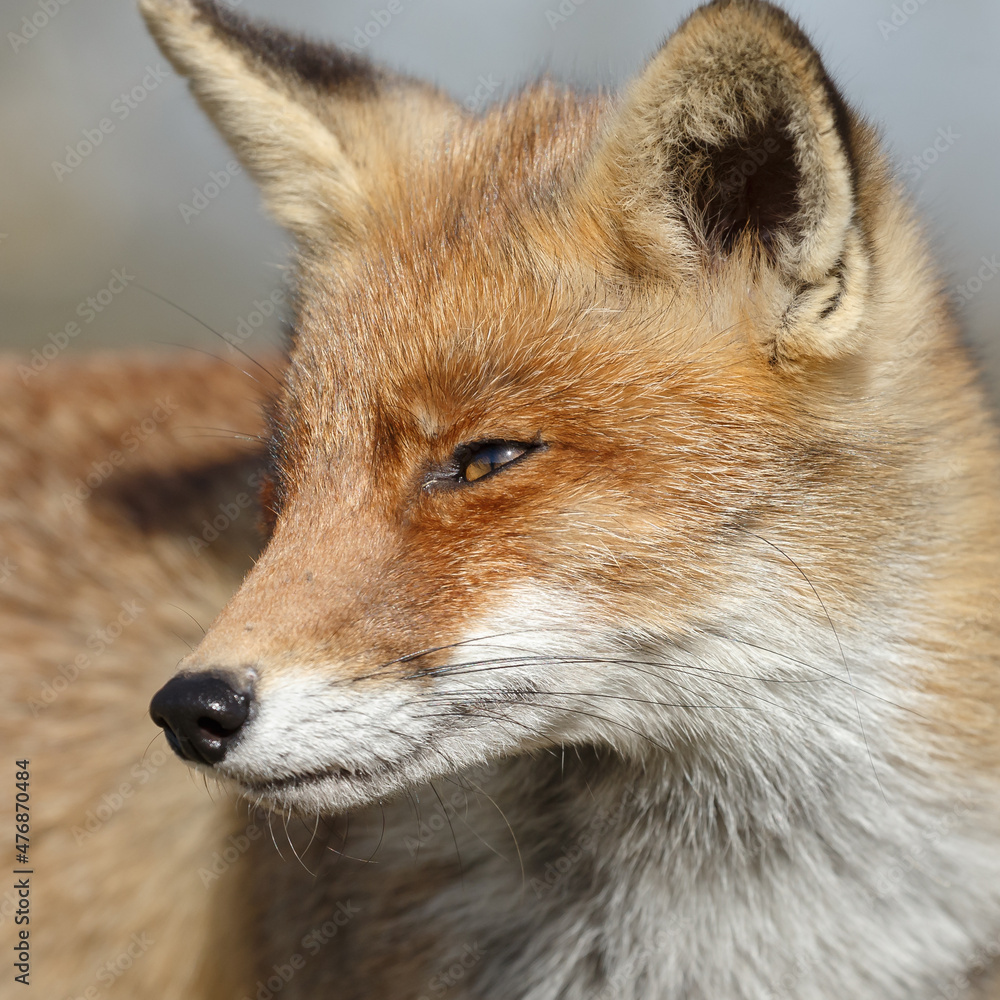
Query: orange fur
{"points": [[741, 408]]}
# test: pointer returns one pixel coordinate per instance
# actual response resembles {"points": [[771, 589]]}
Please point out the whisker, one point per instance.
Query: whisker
{"points": [[416, 816], [191, 616], [833, 628], [288, 837], [150, 743], [478, 709], [621, 725], [816, 720], [177, 635], [503, 816], [430, 650], [602, 718], [202, 323], [461, 867], [371, 857], [270, 829], [207, 354], [679, 668], [826, 675], [341, 853], [312, 837], [469, 826], [221, 433]]}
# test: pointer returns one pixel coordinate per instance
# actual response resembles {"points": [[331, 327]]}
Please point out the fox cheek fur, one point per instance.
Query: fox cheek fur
{"points": [[619, 425]]}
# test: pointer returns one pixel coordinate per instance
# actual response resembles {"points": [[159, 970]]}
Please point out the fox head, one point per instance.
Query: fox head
{"points": [[583, 436]]}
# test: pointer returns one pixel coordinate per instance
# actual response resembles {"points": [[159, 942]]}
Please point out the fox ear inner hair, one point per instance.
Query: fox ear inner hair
{"points": [[747, 186]]}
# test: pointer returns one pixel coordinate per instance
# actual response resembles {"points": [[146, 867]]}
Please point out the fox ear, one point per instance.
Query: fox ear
{"points": [[317, 128], [733, 145]]}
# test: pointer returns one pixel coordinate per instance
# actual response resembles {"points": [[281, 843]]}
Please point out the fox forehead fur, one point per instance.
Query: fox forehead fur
{"points": [[744, 561]]}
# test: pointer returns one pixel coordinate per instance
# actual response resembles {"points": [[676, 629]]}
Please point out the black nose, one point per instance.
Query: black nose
{"points": [[201, 715]]}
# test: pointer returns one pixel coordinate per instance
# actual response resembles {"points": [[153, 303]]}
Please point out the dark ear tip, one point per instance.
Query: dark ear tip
{"points": [[762, 10], [760, 14], [326, 67], [769, 19]]}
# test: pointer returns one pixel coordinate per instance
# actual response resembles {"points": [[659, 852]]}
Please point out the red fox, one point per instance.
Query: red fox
{"points": [[627, 624]]}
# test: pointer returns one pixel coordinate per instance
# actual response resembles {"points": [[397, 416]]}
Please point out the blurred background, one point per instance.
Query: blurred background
{"points": [[87, 215]]}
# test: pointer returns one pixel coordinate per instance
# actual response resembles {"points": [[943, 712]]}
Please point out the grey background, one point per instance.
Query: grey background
{"points": [[936, 67]]}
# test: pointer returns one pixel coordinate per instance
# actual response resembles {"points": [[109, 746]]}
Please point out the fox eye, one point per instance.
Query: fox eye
{"points": [[477, 461]]}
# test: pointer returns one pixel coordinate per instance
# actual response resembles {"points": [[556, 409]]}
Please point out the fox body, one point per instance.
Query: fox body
{"points": [[627, 625]]}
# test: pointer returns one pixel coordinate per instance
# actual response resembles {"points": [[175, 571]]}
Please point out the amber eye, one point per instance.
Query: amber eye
{"points": [[476, 461]]}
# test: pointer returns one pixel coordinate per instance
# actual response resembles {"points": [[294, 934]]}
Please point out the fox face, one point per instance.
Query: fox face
{"points": [[597, 422], [476, 538]]}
